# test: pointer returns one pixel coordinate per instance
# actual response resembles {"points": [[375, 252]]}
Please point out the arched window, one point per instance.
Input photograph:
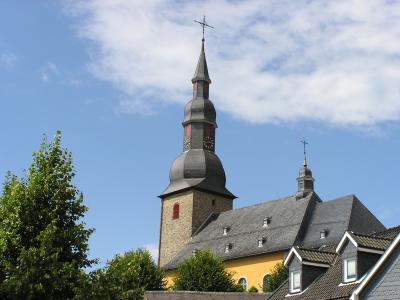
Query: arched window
{"points": [[175, 211], [266, 280], [243, 282]]}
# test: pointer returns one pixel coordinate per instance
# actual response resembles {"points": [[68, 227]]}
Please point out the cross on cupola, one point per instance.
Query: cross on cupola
{"points": [[305, 143], [204, 25]]}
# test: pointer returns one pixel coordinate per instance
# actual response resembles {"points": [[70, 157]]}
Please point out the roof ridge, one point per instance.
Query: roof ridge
{"points": [[259, 204], [351, 196]]}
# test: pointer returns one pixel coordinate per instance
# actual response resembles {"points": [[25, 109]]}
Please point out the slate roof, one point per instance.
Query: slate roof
{"points": [[372, 242], [390, 233], [316, 256], [246, 227], [328, 285], [293, 222], [336, 216]]}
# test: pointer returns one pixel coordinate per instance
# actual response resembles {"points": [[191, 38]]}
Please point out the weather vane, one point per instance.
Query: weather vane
{"points": [[305, 143], [203, 24]]}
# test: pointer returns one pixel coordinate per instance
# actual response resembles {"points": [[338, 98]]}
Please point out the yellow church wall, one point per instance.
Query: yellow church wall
{"points": [[253, 268], [169, 278]]}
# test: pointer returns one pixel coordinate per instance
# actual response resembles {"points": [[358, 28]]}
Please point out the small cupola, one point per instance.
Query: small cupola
{"points": [[305, 265], [305, 181], [359, 253]]}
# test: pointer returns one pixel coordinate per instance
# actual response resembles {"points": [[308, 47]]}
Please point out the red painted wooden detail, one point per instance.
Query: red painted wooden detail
{"points": [[187, 130]]}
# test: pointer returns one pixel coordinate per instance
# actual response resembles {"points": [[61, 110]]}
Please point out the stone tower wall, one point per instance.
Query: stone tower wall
{"points": [[204, 204], [194, 208]]}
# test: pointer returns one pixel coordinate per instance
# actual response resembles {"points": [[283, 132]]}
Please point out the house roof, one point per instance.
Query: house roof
{"points": [[293, 222], [336, 216], [317, 256], [246, 227], [390, 233], [329, 284], [364, 242], [371, 241], [326, 286], [377, 267]]}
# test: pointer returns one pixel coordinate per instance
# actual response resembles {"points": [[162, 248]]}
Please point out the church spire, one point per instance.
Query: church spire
{"points": [[201, 73], [198, 166], [305, 180]]}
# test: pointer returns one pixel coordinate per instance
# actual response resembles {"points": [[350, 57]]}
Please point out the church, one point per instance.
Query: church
{"points": [[197, 209]]}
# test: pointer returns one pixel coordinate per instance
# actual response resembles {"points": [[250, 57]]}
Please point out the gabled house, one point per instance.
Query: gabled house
{"points": [[360, 267], [383, 281]]}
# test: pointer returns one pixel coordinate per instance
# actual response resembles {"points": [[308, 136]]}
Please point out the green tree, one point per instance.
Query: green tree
{"points": [[253, 289], [278, 275], [204, 272], [43, 243], [125, 277]]}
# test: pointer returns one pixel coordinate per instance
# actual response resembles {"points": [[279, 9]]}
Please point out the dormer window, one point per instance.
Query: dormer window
{"points": [[194, 252], [261, 242], [295, 281], [323, 233], [266, 221], [226, 230], [228, 247], [349, 270]]}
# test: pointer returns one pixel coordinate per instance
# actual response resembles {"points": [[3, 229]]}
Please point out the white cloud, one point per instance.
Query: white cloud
{"points": [[270, 61], [153, 249], [8, 59]]}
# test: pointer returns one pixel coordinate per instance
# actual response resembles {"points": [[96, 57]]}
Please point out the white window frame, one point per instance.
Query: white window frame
{"points": [[322, 234], [346, 278], [245, 280], [292, 288]]}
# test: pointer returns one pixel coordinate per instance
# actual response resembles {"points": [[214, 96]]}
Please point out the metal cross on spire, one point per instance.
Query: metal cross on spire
{"points": [[203, 24], [305, 143]]}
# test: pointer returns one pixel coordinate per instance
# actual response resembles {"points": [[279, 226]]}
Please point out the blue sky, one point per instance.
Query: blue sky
{"points": [[113, 76]]}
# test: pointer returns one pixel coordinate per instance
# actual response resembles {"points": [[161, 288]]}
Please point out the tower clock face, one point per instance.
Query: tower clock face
{"points": [[208, 143]]}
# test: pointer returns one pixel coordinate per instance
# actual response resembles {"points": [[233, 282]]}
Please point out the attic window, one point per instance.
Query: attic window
{"points": [[266, 221], [295, 281], [228, 247], [261, 242], [323, 233], [226, 230], [349, 270]]}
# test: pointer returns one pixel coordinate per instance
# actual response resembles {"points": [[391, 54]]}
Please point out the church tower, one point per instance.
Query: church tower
{"points": [[197, 177]]}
